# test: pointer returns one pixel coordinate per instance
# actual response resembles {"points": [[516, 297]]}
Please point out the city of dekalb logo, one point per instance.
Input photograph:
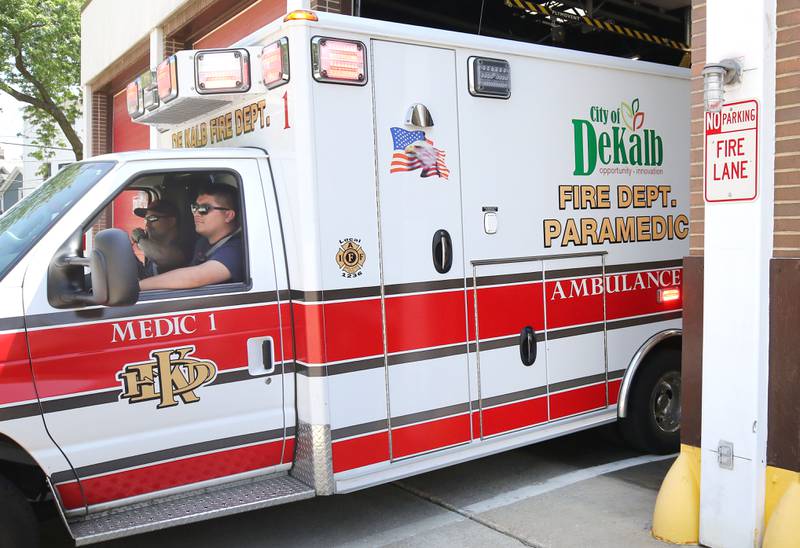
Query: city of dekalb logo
{"points": [[611, 136], [171, 374]]}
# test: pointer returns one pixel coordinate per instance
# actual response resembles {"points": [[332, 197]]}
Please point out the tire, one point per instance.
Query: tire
{"points": [[18, 525], [654, 407]]}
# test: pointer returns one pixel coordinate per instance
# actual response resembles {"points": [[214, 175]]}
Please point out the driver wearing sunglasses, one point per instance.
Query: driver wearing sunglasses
{"points": [[218, 252]]}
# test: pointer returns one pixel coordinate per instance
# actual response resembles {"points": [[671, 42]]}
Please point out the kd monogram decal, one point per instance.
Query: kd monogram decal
{"points": [[172, 373]]}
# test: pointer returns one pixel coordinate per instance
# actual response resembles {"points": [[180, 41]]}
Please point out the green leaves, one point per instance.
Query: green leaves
{"points": [[40, 65], [631, 117]]}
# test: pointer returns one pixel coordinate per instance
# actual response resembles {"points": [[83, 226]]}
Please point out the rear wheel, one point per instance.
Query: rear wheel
{"points": [[654, 405], [18, 525]]}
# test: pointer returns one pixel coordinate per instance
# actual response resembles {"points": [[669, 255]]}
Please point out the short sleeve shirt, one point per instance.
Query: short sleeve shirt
{"points": [[229, 254]]}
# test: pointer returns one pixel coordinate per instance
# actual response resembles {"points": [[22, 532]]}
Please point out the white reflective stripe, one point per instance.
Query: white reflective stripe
{"points": [[564, 480]]}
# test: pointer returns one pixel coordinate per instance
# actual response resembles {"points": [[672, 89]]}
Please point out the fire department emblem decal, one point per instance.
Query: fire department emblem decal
{"points": [[172, 373], [350, 257]]}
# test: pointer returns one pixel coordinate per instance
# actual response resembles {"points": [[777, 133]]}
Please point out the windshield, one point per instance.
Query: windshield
{"points": [[29, 219]]}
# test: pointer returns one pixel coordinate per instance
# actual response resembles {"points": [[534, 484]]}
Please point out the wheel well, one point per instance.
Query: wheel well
{"points": [[18, 467], [661, 342], [668, 344]]}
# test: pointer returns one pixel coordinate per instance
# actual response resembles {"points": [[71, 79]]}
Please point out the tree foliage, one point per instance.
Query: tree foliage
{"points": [[40, 51]]}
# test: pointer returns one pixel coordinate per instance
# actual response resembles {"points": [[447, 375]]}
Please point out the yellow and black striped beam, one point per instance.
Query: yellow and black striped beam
{"points": [[598, 24]]}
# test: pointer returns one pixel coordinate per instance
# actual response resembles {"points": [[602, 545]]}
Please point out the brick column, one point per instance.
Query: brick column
{"points": [[692, 356], [100, 124], [782, 497], [172, 46], [333, 6]]}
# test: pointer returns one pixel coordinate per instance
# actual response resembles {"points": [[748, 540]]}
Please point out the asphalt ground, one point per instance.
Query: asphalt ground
{"points": [[587, 489]]}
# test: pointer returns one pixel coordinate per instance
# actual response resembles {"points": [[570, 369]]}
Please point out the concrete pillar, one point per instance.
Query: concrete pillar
{"points": [[738, 247], [292, 5], [156, 56]]}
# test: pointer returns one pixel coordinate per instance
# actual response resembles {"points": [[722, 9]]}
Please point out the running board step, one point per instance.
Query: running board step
{"points": [[189, 508]]}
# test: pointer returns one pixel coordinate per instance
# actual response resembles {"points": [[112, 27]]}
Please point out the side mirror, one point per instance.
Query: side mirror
{"points": [[112, 267]]}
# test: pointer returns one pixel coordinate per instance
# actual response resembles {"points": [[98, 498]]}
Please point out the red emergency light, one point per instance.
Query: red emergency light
{"points": [[668, 295], [339, 61], [167, 79], [134, 99], [275, 63]]}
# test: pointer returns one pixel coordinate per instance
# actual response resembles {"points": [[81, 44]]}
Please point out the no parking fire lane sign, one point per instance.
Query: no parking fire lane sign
{"points": [[731, 155]]}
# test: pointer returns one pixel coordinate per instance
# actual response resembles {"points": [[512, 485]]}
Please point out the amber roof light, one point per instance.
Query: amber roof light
{"points": [[301, 15]]}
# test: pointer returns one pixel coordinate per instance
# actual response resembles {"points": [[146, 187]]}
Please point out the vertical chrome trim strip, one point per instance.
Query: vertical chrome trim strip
{"points": [[477, 348], [605, 323], [380, 251], [546, 341]]}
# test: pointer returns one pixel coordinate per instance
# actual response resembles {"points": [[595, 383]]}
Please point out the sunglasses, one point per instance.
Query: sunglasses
{"points": [[205, 209], [152, 218]]}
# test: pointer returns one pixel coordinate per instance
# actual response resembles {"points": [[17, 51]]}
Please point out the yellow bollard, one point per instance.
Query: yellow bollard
{"points": [[676, 517], [783, 525]]}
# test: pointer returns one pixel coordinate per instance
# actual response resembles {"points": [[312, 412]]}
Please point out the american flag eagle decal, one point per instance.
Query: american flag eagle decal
{"points": [[412, 151]]}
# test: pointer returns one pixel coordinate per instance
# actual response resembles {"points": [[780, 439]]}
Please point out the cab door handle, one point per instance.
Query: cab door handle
{"points": [[527, 345], [260, 356]]}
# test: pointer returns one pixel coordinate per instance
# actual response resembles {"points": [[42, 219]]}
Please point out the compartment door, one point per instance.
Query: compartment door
{"points": [[512, 361], [576, 335], [419, 198]]}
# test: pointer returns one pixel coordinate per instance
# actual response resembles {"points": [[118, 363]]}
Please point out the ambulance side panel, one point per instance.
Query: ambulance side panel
{"points": [[517, 152], [125, 441], [351, 363], [20, 413], [512, 155]]}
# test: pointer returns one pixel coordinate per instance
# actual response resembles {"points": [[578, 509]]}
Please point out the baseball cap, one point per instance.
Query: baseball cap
{"points": [[157, 207]]}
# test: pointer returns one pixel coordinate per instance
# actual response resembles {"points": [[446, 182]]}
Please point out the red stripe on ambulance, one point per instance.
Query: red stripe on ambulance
{"points": [[418, 438], [325, 332], [15, 370], [105, 348], [147, 479], [580, 400], [513, 416], [360, 451]]}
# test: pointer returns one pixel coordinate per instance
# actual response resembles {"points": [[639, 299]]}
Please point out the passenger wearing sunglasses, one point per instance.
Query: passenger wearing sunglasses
{"points": [[160, 239], [218, 251]]}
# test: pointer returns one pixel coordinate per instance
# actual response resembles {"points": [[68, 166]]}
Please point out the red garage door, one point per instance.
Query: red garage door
{"points": [[126, 136], [247, 21]]}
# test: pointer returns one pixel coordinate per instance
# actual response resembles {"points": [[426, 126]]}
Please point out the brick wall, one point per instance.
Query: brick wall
{"points": [[101, 144], [697, 207], [334, 6], [100, 124], [171, 46], [786, 242]]}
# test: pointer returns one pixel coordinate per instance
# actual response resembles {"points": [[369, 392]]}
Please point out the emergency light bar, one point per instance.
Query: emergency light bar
{"points": [[275, 63], [192, 83], [338, 61]]}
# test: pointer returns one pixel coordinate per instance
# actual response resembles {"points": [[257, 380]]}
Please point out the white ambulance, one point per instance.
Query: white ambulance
{"points": [[450, 246]]}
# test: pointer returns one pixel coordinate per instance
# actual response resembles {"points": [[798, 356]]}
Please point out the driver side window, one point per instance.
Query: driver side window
{"points": [[185, 229]]}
